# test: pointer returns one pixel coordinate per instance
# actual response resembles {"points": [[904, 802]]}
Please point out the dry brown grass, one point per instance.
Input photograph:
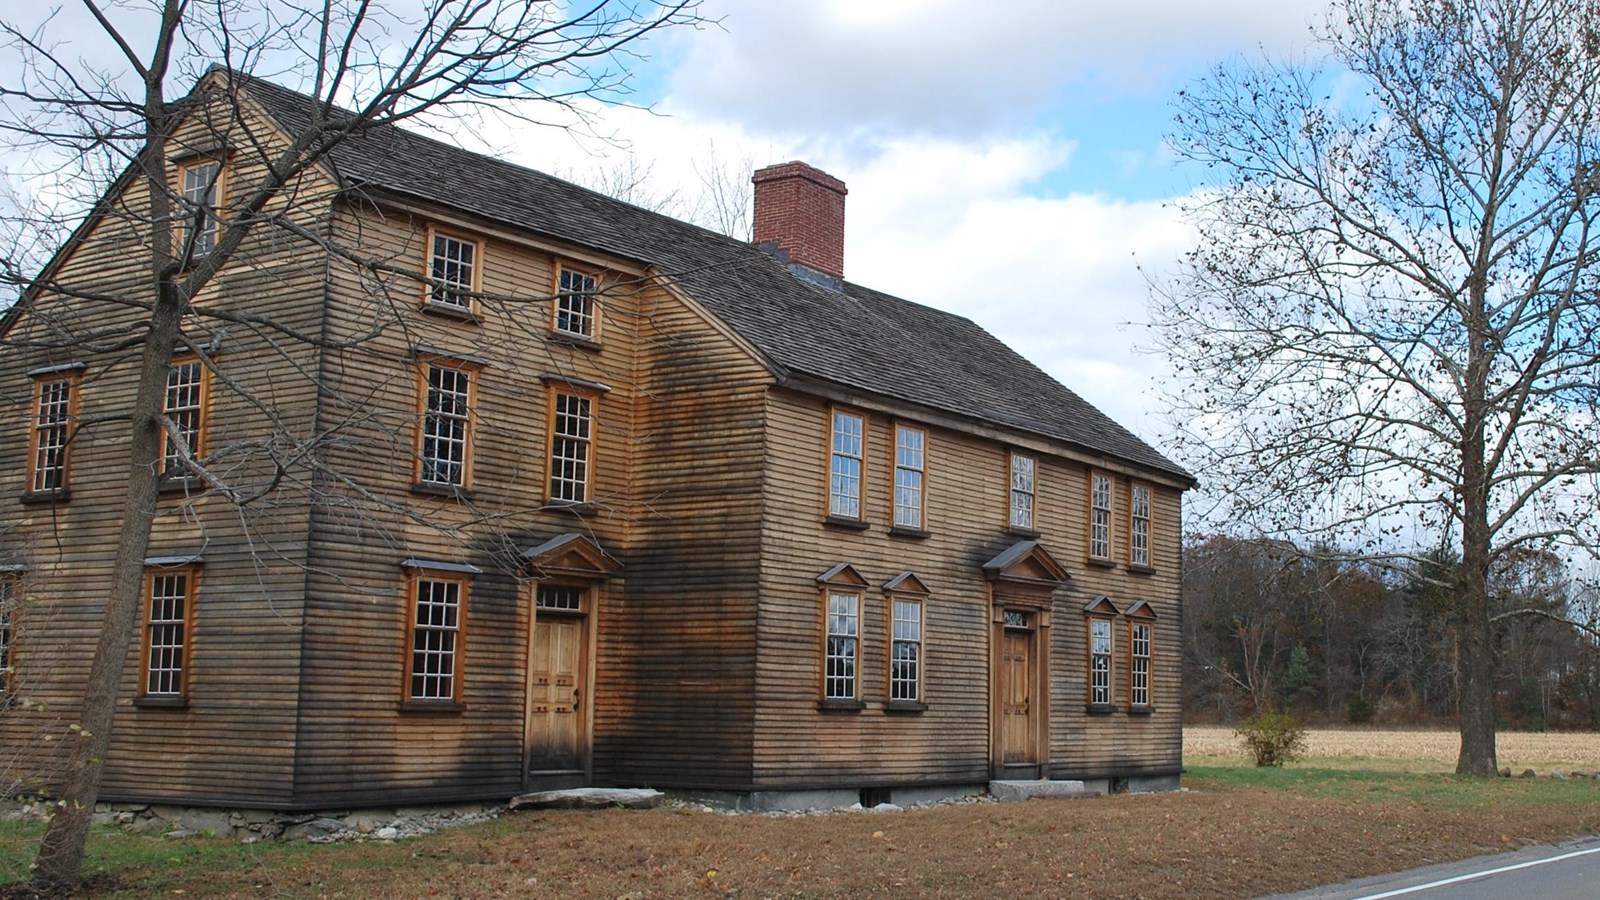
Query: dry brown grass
{"points": [[1431, 750]]}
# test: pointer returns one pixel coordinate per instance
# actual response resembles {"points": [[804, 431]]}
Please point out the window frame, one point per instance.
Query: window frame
{"points": [[1094, 476], [212, 220], [202, 411], [10, 614], [191, 575], [424, 372], [1012, 492], [469, 307], [895, 467], [72, 380], [831, 453], [458, 650], [591, 442], [1135, 488], [1134, 657], [859, 596], [590, 297], [918, 700], [1092, 624]]}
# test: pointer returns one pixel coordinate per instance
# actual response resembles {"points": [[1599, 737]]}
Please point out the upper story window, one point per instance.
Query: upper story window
{"points": [[438, 616], [453, 264], [1022, 491], [1099, 662], [842, 647], [54, 401], [1099, 515], [575, 304], [905, 650], [1139, 664], [444, 455], [168, 630], [846, 463], [184, 404], [201, 184], [571, 447], [910, 465], [1139, 526]]}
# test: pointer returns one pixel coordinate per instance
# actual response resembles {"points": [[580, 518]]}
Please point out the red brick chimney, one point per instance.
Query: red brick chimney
{"points": [[801, 209]]}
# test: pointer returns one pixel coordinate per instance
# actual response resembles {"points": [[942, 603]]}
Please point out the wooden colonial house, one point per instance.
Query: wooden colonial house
{"points": [[509, 485]]}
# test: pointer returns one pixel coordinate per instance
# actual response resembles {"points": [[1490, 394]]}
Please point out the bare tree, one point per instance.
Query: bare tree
{"points": [[1389, 326], [114, 125]]}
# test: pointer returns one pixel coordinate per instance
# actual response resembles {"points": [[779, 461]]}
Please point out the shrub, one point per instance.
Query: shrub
{"points": [[1360, 710], [1272, 738]]}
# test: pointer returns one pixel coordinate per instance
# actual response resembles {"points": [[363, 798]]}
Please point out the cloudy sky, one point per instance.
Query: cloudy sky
{"points": [[1005, 161]]}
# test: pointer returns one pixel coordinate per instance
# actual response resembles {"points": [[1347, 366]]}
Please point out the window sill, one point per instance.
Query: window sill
{"points": [[187, 484], [441, 490], [582, 342], [848, 524], [916, 534], [46, 497], [905, 706], [148, 701], [1099, 563], [575, 507], [1021, 532], [432, 707], [447, 311], [1141, 570], [840, 705], [1099, 709], [1141, 710]]}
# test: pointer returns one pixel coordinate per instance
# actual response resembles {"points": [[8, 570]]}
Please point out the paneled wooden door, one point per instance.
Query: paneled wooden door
{"points": [[1018, 735], [558, 710]]}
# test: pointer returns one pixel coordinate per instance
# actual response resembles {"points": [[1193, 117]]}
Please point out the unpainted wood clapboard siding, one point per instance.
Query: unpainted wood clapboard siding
{"points": [[235, 740], [966, 513]]}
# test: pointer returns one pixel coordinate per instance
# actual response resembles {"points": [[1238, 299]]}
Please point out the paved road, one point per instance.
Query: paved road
{"points": [[1568, 871]]}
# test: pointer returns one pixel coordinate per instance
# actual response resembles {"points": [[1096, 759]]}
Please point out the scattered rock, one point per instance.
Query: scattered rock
{"points": [[886, 807], [1505, 772], [386, 833], [590, 798], [1529, 773], [1560, 776], [316, 828]]}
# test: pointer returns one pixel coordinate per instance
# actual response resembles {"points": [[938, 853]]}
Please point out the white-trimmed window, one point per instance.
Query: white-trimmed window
{"points": [[1099, 662], [575, 306], [1139, 526], [1099, 515], [201, 183], [10, 599], [1139, 664], [168, 631], [438, 614], [910, 467], [571, 446], [53, 410], [444, 453], [184, 404], [845, 464], [905, 650], [842, 646], [1022, 491], [452, 269]]}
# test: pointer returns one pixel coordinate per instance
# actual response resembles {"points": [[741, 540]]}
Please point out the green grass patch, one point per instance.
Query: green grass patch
{"points": [[1433, 789], [163, 860]]}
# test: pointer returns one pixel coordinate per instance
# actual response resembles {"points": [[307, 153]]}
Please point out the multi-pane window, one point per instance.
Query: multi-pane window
{"points": [[434, 672], [446, 421], [564, 599], [453, 267], [1022, 491], [8, 614], [849, 447], [168, 620], [1100, 662], [202, 193], [910, 450], [52, 417], [1139, 664], [1139, 526], [575, 304], [1100, 516], [571, 440], [905, 651], [842, 648], [184, 406]]}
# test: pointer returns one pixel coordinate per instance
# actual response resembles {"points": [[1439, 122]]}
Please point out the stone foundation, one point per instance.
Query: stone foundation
{"points": [[251, 825]]}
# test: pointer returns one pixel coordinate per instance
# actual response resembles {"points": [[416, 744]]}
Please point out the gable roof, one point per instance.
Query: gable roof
{"points": [[860, 338]]}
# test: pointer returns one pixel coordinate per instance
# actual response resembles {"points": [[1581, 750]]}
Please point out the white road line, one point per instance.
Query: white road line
{"points": [[1433, 884]]}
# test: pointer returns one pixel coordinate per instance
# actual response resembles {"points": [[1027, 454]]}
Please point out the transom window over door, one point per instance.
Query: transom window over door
{"points": [[575, 304], [1022, 491], [910, 460], [1099, 516], [445, 443], [1139, 526], [184, 404], [842, 649], [53, 412], [571, 447], [845, 466]]}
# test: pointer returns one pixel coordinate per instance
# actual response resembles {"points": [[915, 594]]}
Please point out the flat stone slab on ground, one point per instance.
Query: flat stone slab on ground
{"points": [[1009, 791], [590, 798]]}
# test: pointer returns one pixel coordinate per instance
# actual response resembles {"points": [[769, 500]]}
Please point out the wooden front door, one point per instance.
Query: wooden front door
{"points": [[1018, 733], [558, 727]]}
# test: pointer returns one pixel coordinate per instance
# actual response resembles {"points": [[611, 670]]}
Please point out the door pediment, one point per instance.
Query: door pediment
{"points": [[571, 554], [1027, 563]]}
